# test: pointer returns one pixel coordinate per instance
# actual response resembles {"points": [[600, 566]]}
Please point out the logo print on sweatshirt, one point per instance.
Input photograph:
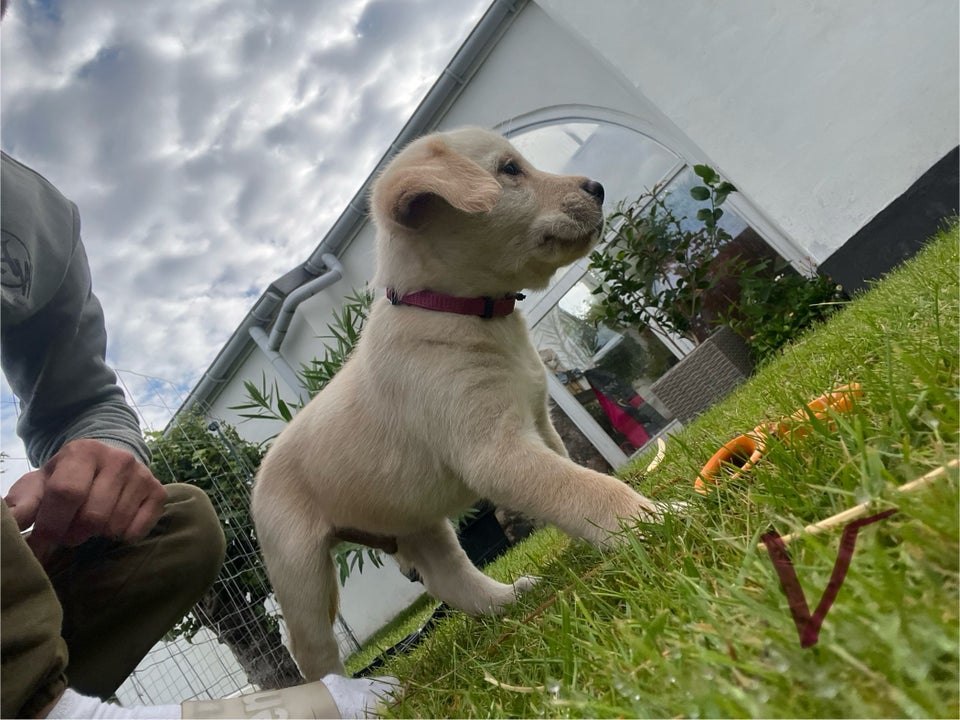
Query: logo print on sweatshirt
{"points": [[16, 267]]}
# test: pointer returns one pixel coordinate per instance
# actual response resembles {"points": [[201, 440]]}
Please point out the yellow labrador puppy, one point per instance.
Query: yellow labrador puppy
{"points": [[444, 400]]}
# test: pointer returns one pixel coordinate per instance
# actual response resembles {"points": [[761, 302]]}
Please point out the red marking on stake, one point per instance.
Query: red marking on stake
{"points": [[808, 626]]}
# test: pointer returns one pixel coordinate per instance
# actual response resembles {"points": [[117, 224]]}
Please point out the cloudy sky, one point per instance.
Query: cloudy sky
{"points": [[209, 145]]}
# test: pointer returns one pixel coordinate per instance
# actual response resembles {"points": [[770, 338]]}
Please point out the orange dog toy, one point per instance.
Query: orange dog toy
{"points": [[745, 451]]}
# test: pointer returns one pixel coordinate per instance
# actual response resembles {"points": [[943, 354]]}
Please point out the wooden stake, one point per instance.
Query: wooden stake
{"points": [[858, 511]]}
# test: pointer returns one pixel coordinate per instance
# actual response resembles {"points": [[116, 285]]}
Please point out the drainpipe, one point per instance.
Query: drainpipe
{"points": [[270, 344], [279, 363], [307, 290]]}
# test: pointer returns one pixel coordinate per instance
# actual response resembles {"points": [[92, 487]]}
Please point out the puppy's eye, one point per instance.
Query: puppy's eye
{"points": [[511, 168]]}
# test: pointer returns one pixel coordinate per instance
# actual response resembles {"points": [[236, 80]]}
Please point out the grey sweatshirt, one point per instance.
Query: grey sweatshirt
{"points": [[52, 334]]}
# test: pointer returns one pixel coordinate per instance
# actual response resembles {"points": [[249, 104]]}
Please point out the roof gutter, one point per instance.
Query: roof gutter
{"points": [[252, 330]]}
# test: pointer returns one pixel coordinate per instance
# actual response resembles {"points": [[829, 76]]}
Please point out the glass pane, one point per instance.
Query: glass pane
{"points": [[679, 201], [608, 371], [622, 160]]}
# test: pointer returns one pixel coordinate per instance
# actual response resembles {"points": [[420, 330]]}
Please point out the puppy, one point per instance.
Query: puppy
{"points": [[437, 408]]}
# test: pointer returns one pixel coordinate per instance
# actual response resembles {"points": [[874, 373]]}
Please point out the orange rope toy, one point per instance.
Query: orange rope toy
{"points": [[745, 451]]}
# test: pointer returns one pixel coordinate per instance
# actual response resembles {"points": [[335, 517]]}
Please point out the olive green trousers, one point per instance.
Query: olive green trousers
{"points": [[89, 615]]}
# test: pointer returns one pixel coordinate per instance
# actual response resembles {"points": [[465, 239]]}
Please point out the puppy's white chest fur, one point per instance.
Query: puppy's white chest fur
{"points": [[455, 378], [421, 388]]}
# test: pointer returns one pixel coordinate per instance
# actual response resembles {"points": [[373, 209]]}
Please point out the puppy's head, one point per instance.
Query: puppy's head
{"points": [[464, 213]]}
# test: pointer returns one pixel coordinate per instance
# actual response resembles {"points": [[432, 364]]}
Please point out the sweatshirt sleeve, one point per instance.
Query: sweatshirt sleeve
{"points": [[53, 336]]}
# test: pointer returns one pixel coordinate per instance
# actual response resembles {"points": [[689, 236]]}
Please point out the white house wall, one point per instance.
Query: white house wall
{"points": [[538, 65], [542, 72], [821, 112]]}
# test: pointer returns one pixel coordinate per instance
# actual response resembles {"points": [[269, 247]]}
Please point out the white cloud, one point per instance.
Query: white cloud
{"points": [[209, 144]]}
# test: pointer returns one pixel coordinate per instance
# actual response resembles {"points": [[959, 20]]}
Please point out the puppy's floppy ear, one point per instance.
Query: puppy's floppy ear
{"points": [[438, 172]]}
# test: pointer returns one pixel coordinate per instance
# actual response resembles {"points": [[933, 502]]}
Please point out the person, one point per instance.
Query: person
{"points": [[114, 558]]}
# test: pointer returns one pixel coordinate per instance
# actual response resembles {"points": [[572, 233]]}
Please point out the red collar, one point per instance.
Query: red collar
{"points": [[485, 307]]}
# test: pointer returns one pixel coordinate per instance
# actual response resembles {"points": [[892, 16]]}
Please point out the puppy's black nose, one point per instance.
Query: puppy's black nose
{"points": [[595, 189]]}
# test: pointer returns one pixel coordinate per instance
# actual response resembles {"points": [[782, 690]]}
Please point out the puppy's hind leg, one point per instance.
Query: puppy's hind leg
{"points": [[305, 582], [449, 575]]}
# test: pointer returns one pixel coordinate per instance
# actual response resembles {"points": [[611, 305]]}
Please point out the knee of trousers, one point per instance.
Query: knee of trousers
{"points": [[189, 517]]}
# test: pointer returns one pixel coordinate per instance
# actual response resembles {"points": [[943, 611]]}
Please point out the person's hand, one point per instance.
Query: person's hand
{"points": [[88, 489]]}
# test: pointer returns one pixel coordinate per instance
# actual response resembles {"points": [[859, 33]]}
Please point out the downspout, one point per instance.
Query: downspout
{"points": [[279, 363], [270, 344]]}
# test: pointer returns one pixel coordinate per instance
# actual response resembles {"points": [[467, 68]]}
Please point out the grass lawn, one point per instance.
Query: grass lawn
{"points": [[690, 620]]}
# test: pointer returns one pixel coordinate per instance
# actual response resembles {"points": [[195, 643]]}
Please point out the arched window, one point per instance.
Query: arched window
{"points": [[601, 376]]}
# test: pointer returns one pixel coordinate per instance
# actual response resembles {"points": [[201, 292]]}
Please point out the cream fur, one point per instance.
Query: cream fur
{"points": [[434, 411]]}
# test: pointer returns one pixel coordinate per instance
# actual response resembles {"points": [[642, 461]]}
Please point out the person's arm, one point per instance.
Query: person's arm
{"points": [[54, 339], [75, 421], [54, 362]]}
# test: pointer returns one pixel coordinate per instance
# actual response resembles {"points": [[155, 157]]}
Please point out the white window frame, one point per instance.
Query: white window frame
{"points": [[687, 155]]}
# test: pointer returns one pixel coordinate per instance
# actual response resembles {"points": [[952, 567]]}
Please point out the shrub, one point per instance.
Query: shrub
{"points": [[656, 266], [690, 278]]}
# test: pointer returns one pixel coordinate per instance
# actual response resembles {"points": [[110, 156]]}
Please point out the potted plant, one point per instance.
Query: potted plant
{"points": [[662, 268], [734, 299], [657, 266]]}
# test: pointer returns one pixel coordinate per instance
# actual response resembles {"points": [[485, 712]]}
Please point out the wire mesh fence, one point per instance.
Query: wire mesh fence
{"points": [[234, 639]]}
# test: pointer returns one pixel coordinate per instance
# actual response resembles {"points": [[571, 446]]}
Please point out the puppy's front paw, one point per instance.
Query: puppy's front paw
{"points": [[647, 510], [622, 521], [524, 583], [508, 594]]}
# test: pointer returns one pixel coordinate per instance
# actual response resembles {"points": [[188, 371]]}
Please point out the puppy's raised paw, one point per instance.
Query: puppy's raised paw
{"points": [[524, 583], [509, 594]]}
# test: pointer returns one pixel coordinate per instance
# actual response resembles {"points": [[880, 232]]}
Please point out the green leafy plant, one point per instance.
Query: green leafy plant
{"points": [[344, 331], [216, 459], [774, 307], [690, 279], [656, 266]]}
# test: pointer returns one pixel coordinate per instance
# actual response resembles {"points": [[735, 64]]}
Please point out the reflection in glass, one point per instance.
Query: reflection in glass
{"points": [[683, 206], [608, 371], [621, 159]]}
